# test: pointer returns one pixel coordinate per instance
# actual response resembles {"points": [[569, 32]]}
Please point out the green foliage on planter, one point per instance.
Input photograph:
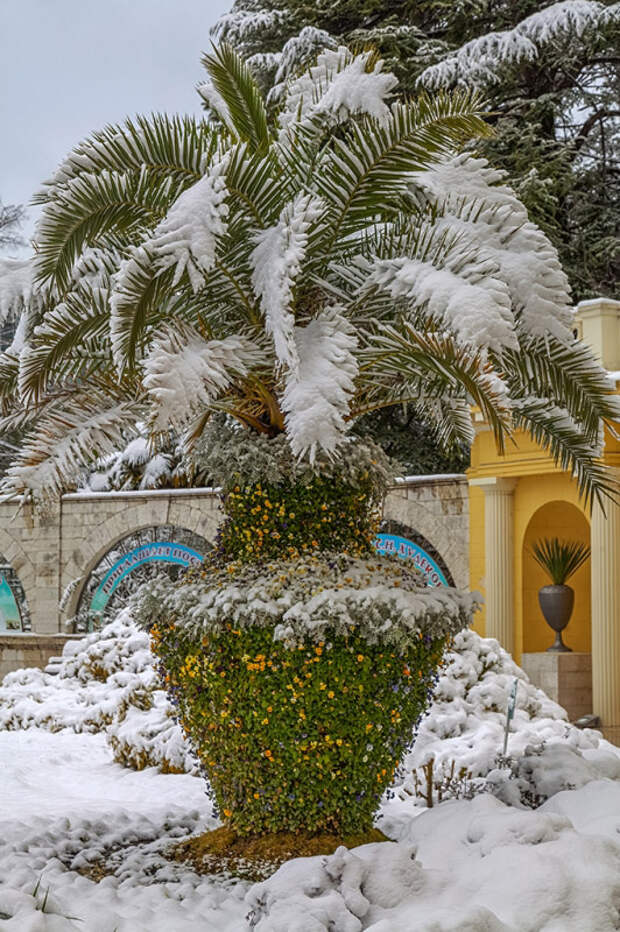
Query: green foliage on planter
{"points": [[296, 740], [298, 659], [278, 507], [560, 559], [288, 520]]}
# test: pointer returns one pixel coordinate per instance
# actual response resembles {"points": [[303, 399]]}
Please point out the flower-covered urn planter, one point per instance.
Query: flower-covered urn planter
{"points": [[298, 659]]}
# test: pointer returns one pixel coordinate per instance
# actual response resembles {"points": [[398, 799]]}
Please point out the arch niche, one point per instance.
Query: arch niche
{"points": [[566, 521]]}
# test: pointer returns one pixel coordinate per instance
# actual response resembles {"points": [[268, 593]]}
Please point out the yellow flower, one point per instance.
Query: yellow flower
{"points": [[360, 657], [330, 694]]}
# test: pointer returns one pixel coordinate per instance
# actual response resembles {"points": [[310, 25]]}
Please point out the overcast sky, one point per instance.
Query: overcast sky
{"points": [[68, 67]]}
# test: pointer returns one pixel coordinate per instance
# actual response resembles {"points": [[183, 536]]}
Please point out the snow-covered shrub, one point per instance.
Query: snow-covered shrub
{"points": [[106, 683], [463, 732]]}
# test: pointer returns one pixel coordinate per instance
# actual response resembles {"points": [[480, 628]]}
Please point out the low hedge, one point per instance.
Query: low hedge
{"points": [[302, 739]]}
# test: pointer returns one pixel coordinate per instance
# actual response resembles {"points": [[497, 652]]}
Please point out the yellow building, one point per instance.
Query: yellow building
{"points": [[521, 496]]}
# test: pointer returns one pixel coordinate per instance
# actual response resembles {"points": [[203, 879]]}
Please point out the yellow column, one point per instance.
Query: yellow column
{"points": [[499, 558], [606, 612]]}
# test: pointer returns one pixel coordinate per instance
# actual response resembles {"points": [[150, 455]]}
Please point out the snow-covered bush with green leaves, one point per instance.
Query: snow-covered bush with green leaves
{"points": [[106, 682]]}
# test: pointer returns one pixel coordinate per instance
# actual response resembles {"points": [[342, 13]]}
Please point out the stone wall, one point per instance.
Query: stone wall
{"points": [[49, 552], [435, 510], [18, 650]]}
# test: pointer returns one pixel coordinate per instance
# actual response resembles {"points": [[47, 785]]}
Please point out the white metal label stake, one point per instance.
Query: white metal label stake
{"points": [[510, 712]]}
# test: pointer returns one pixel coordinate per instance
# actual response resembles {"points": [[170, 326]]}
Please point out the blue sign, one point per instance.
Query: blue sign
{"points": [[10, 617], [407, 550], [166, 551]]}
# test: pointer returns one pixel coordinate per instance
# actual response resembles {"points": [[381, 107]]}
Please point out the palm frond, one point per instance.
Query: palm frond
{"points": [[137, 303], [241, 95], [69, 436], [89, 209], [555, 431], [367, 172], [72, 340], [440, 366], [567, 374], [177, 147], [184, 373]]}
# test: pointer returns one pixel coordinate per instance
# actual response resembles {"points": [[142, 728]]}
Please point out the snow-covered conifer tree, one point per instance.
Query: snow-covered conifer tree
{"points": [[550, 72]]}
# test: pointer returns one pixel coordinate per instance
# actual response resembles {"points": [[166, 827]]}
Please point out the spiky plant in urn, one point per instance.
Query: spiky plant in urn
{"points": [[560, 559], [256, 287]]}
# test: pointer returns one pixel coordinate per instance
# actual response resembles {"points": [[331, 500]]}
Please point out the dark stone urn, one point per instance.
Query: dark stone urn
{"points": [[556, 604]]}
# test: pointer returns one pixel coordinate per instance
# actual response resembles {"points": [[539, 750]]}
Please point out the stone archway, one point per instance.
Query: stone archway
{"points": [[564, 520], [424, 554], [130, 561]]}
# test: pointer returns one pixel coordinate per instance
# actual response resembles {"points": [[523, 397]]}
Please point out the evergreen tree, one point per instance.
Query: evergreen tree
{"points": [[550, 72], [11, 217]]}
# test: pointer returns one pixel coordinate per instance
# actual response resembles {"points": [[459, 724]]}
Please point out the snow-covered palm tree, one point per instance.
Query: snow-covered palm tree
{"points": [[295, 275]]}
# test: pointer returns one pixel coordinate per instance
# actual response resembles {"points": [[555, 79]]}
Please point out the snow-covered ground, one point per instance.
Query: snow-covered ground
{"points": [[482, 862]]}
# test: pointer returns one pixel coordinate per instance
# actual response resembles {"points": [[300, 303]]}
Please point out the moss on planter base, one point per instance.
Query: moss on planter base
{"points": [[303, 739], [257, 857]]}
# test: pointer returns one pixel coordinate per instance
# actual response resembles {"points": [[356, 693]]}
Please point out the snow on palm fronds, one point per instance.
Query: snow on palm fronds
{"points": [[67, 436], [277, 261], [317, 396], [295, 274], [187, 237], [475, 205], [479, 62], [184, 373], [16, 285]]}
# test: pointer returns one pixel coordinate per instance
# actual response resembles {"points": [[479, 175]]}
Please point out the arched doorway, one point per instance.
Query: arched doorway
{"points": [[566, 521], [131, 561], [14, 614]]}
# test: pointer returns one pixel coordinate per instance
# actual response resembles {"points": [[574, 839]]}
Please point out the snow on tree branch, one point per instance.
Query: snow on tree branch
{"points": [[339, 85], [316, 398], [234, 26], [183, 372], [297, 52], [277, 262], [478, 61], [16, 285]]}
